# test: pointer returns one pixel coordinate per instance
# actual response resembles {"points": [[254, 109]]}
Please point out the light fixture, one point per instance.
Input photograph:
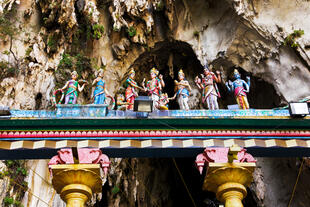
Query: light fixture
{"points": [[298, 109], [5, 112], [143, 104], [233, 107]]}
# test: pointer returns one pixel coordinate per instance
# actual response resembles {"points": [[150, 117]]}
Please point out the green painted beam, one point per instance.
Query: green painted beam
{"points": [[158, 123]]}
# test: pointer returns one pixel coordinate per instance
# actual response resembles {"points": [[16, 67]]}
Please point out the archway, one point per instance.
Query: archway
{"points": [[169, 57]]}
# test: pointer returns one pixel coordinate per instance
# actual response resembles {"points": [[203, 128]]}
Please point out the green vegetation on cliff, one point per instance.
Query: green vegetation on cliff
{"points": [[290, 40], [16, 172]]}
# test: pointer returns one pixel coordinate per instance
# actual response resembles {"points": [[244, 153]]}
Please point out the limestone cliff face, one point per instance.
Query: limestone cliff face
{"points": [[251, 35], [42, 41]]}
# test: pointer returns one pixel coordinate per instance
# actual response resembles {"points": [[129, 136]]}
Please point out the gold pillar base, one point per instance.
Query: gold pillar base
{"points": [[76, 183]]}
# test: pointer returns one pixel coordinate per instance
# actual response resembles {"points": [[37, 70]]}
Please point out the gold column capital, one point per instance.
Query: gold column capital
{"points": [[229, 181], [76, 182], [229, 172]]}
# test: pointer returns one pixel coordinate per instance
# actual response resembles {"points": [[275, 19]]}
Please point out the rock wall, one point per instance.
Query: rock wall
{"points": [[274, 182], [41, 192], [249, 35], [42, 41]]}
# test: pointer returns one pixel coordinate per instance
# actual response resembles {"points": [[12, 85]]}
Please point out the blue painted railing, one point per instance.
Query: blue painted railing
{"points": [[101, 111]]}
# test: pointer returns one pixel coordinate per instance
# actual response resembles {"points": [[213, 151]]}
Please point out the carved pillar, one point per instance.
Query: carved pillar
{"points": [[77, 182], [229, 172]]}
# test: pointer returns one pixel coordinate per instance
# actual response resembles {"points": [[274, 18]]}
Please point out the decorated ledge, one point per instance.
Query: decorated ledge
{"points": [[45, 149], [98, 111], [149, 143], [38, 134], [77, 117], [164, 120], [150, 134], [170, 143]]}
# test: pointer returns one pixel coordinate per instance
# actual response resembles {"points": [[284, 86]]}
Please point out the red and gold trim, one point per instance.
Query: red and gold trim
{"points": [[162, 134]]}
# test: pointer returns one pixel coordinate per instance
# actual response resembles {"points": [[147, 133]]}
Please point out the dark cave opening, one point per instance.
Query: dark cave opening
{"points": [[161, 182], [38, 100], [263, 95], [160, 23], [193, 182]]}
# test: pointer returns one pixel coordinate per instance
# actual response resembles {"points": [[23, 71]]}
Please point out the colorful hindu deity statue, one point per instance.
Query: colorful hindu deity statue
{"points": [[73, 87], [162, 104], [183, 89], [131, 87], [100, 91], [154, 86], [207, 84], [121, 103], [239, 87]]}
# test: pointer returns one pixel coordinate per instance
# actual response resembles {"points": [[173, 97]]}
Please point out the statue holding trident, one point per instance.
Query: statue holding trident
{"points": [[207, 84], [239, 87]]}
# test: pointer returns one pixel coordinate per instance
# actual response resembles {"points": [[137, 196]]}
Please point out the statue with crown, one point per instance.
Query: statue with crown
{"points": [[73, 87], [207, 84], [100, 92], [182, 91], [154, 87], [240, 88], [131, 89]]}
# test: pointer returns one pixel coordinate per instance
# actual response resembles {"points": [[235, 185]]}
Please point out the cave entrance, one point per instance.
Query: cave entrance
{"points": [[169, 57]]}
